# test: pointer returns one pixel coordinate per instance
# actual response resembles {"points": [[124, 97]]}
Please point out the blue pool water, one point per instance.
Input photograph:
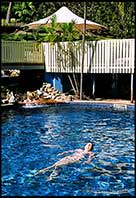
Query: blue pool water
{"points": [[32, 138]]}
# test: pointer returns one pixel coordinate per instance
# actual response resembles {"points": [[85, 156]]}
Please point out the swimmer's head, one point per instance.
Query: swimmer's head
{"points": [[89, 147]]}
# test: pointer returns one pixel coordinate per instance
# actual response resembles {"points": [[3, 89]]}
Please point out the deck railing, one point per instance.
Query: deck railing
{"points": [[104, 56], [17, 52]]}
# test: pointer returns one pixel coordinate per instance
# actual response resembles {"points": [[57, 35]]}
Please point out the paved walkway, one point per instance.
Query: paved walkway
{"points": [[108, 101]]}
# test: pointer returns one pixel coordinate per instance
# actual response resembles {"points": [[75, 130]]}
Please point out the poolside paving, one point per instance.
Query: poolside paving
{"points": [[108, 101]]}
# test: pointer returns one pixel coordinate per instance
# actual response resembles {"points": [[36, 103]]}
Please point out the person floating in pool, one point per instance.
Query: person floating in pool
{"points": [[77, 155]]}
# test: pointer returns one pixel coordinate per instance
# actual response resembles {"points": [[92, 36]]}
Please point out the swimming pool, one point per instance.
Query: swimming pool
{"points": [[32, 138]]}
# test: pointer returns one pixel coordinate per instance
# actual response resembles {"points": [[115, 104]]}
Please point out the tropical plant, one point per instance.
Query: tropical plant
{"points": [[68, 32], [24, 11]]}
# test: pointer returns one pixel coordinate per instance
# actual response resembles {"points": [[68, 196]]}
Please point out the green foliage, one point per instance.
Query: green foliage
{"points": [[17, 37], [118, 17], [12, 22], [4, 8], [24, 11], [51, 32], [56, 32], [68, 32]]}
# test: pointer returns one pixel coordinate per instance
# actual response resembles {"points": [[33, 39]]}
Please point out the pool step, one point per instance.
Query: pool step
{"points": [[119, 106]]}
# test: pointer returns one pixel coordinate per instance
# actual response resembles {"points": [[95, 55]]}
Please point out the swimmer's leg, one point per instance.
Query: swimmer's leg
{"points": [[44, 170], [54, 174]]}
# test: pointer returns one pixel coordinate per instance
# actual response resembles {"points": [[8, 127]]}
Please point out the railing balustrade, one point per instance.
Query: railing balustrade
{"points": [[18, 52], [104, 56]]}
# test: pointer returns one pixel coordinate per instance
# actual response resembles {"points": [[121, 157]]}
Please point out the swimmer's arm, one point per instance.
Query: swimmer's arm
{"points": [[91, 155]]}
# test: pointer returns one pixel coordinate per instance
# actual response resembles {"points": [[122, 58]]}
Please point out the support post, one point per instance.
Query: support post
{"points": [[93, 91], [114, 86], [132, 79]]}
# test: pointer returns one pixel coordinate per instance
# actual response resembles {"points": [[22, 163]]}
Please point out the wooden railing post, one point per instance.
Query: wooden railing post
{"points": [[132, 79]]}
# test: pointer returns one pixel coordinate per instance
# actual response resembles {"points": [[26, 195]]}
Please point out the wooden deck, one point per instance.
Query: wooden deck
{"points": [[104, 56]]}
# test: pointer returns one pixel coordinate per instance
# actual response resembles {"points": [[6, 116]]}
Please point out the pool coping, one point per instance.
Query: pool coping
{"points": [[112, 102], [117, 105], [106, 101]]}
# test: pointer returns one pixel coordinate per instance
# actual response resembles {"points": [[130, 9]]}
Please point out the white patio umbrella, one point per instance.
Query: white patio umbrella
{"points": [[64, 15]]}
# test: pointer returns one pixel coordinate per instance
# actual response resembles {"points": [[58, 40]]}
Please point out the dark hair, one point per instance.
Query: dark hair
{"points": [[92, 146]]}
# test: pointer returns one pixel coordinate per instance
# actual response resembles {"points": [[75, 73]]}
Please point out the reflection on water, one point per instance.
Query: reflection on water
{"points": [[32, 139]]}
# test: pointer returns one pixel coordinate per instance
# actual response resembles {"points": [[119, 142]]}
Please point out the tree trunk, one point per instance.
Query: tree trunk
{"points": [[83, 45], [71, 82], [8, 13], [76, 83]]}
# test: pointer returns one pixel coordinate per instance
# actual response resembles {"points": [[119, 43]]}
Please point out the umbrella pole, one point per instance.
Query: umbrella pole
{"points": [[83, 51]]}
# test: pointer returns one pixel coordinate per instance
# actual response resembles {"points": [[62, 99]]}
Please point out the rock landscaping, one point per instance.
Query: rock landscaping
{"points": [[47, 94]]}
